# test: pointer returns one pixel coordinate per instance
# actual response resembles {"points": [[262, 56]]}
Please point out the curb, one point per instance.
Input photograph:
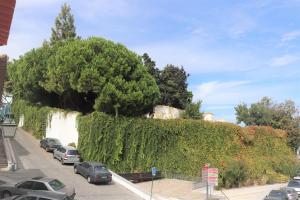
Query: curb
{"points": [[10, 155], [130, 186]]}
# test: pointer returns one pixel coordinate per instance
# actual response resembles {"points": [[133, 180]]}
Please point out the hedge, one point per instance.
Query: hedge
{"points": [[244, 156]]}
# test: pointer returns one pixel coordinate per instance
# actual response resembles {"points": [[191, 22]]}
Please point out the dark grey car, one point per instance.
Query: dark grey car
{"points": [[40, 184], [49, 144], [40, 195], [277, 195], [94, 172]]}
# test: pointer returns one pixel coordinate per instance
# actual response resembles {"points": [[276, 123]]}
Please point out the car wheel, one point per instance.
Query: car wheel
{"points": [[62, 161], [6, 194], [47, 149], [89, 179], [75, 170]]}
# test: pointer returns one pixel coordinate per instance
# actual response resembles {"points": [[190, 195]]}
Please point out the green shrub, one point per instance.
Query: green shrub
{"points": [[234, 175], [243, 155]]}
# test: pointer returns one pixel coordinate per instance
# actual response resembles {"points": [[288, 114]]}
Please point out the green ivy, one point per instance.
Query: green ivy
{"points": [[243, 155]]}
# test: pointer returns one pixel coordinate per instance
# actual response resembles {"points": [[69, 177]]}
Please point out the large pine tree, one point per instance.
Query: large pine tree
{"points": [[64, 27]]}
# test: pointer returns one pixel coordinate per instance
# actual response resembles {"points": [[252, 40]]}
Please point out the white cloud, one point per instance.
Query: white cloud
{"points": [[290, 36], [197, 60], [284, 60], [205, 90]]}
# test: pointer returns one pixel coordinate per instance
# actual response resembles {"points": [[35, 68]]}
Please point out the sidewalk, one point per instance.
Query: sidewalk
{"points": [[174, 189]]}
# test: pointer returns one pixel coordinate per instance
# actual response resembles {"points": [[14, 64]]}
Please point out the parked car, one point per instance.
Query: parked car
{"points": [[291, 192], [94, 172], [44, 184], [295, 184], [277, 195], [39, 195], [49, 144], [66, 154]]}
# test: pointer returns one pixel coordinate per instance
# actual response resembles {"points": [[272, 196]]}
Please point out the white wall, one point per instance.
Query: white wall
{"points": [[63, 126], [167, 112], [21, 121]]}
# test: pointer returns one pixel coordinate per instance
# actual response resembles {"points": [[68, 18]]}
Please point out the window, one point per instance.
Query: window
{"points": [[72, 152], [101, 169], [56, 184], [26, 185], [294, 184], [85, 165], [39, 186]]}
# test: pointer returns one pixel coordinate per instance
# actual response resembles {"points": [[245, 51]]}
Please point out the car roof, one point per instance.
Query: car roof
{"points": [[69, 148], [95, 163], [42, 179], [48, 138]]}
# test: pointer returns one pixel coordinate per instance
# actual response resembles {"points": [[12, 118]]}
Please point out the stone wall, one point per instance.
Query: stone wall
{"points": [[167, 112]]}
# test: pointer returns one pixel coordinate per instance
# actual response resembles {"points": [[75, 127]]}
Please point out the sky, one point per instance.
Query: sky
{"points": [[235, 51]]}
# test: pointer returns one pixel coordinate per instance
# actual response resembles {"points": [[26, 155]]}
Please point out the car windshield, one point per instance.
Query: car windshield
{"points": [[101, 169], [56, 185], [72, 152], [294, 184], [276, 193]]}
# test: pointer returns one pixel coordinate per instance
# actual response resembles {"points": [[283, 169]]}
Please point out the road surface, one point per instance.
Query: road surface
{"points": [[37, 161]]}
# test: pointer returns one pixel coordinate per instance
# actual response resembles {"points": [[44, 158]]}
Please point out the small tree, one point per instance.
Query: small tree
{"points": [[151, 67], [283, 116], [173, 87], [192, 111], [64, 27]]}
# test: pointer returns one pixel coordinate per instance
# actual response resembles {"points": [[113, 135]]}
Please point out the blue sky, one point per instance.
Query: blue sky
{"points": [[235, 51]]}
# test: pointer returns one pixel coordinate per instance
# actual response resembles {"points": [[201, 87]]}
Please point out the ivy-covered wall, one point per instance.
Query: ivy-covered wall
{"points": [[243, 155]]}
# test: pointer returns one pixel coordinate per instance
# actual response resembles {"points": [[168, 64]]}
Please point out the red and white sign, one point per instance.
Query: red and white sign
{"points": [[210, 175]]}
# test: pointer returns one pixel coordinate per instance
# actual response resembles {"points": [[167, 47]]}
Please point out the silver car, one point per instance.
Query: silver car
{"points": [[40, 184], [294, 184], [66, 154], [40, 195]]}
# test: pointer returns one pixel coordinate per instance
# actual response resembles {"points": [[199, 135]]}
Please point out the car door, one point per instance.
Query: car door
{"points": [[57, 153], [85, 169], [62, 153], [24, 187], [80, 168], [39, 186]]}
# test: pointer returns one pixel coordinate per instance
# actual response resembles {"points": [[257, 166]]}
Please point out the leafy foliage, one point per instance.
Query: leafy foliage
{"points": [[283, 116], [64, 25], [84, 75], [192, 111], [172, 83], [173, 87], [183, 146], [177, 146]]}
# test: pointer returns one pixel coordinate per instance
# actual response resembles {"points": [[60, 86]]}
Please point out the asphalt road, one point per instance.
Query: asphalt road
{"points": [[35, 161]]}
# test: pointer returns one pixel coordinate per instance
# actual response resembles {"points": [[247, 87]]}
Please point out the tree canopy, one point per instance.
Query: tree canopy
{"points": [[266, 113], [172, 83], [85, 75], [192, 111], [173, 87], [64, 27]]}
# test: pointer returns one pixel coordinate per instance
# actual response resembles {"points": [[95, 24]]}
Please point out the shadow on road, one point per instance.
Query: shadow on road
{"points": [[19, 150]]}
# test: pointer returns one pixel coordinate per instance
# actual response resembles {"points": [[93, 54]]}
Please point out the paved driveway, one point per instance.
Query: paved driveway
{"points": [[31, 157]]}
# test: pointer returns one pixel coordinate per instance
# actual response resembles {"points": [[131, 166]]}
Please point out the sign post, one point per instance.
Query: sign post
{"points": [[210, 177], [153, 171]]}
